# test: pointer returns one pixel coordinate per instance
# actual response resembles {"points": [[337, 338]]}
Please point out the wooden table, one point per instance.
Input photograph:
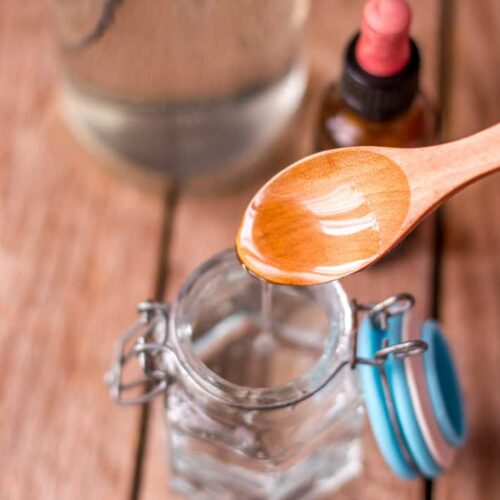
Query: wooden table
{"points": [[80, 247]]}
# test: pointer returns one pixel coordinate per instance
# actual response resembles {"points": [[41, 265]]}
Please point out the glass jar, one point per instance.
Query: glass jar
{"points": [[262, 401], [193, 90], [242, 419]]}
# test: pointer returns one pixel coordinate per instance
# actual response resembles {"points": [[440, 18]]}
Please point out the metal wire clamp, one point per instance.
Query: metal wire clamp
{"points": [[145, 340], [152, 351]]}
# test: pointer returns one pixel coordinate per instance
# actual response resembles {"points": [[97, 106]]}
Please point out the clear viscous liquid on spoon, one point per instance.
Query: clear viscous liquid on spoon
{"points": [[316, 222]]}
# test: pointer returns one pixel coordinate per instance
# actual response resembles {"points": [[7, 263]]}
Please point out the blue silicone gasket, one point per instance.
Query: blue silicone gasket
{"points": [[369, 341], [442, 382], [403, 403]]}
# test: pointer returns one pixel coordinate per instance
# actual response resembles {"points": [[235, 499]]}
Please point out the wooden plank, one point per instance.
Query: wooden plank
{"points": [[78, 250], [204, 225], [471, 264]]}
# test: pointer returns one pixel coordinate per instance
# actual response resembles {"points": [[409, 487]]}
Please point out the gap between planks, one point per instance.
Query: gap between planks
{"points": [[443, 82], [162, 272]]}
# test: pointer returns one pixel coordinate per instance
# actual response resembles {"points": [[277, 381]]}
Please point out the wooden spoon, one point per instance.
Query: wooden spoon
{"points": [[336, 212]]}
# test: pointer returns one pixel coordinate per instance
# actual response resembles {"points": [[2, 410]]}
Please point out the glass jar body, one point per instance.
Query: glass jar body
{"points": [[247, 415]]}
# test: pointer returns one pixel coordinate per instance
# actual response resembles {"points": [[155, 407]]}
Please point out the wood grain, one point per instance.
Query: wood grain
{"points": [[78, 249], [203, 226], [471, 264]]}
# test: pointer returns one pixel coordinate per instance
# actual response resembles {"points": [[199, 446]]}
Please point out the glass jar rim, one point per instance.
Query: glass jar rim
{"points": [[236, 395]]}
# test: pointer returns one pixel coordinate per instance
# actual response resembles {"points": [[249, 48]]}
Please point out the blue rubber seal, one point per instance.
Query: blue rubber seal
{"points": [[444, 388], [369, 342], [407, 418]]}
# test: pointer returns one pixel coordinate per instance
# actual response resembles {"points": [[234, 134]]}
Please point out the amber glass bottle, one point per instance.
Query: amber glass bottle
{"points": [[341, 126], [377, 101], [347, 118]]}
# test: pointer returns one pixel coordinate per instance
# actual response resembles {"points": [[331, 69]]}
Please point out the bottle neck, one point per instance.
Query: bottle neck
{"points": [[379, 98]]}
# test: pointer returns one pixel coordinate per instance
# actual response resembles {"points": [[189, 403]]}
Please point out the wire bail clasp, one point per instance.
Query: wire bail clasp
{"points": [[379, 314], [148, 339]]}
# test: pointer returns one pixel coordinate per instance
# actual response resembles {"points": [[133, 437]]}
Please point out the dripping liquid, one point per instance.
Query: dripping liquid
{"points": [[272, 337], [265, 341]]}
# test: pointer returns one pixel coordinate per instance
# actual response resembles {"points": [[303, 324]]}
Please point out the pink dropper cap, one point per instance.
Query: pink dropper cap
{"points": [[383, 48]]}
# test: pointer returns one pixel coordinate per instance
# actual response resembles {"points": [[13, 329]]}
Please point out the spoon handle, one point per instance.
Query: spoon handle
{"points": [[435, 173], [473, 157]]}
